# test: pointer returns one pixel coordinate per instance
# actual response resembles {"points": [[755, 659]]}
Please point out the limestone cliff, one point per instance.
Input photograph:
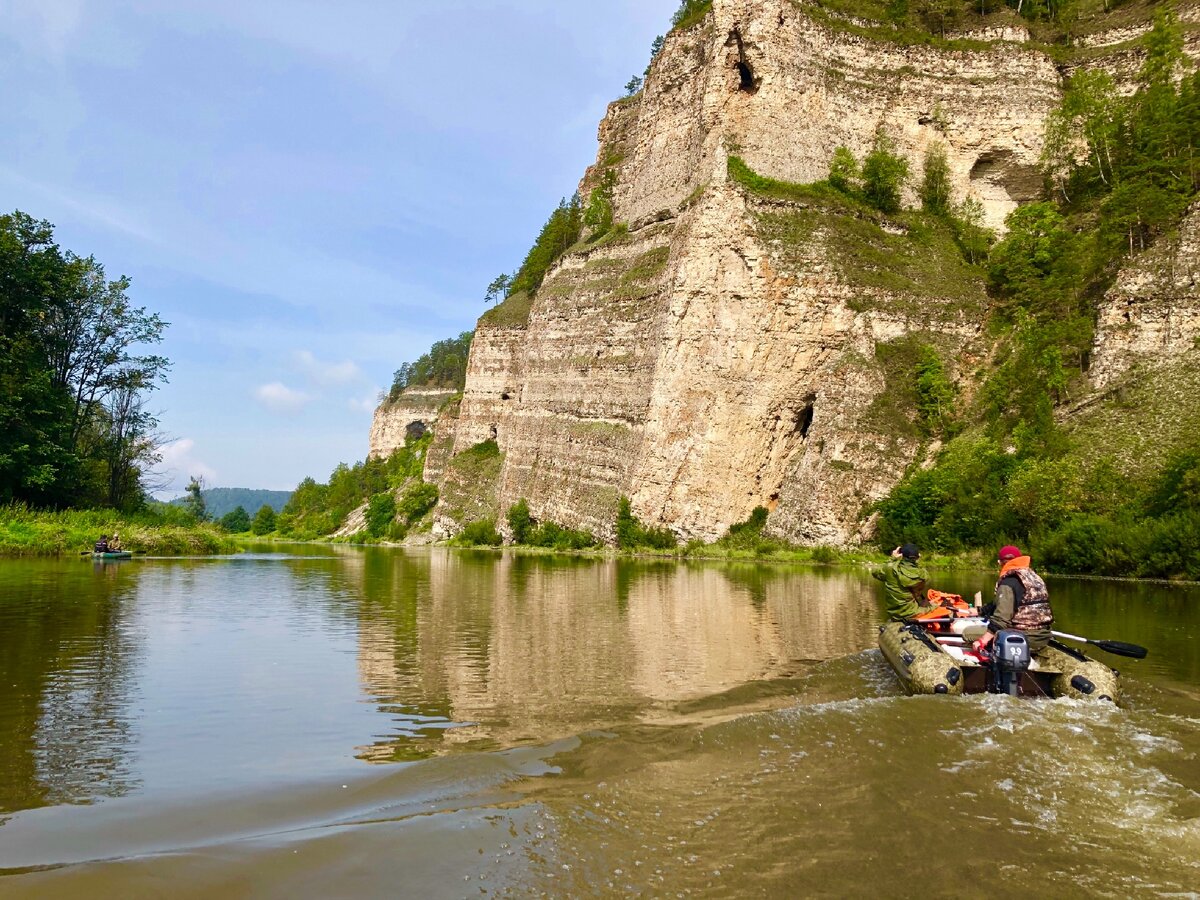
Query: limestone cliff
{"points": [[735, 347], [1152, 314], [410, 415]]}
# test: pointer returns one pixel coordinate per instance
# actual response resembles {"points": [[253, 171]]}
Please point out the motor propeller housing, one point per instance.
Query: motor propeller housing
{"points": [[1010, 657]]}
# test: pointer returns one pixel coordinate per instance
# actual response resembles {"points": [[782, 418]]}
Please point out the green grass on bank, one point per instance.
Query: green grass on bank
{"points": [[28, 532]]}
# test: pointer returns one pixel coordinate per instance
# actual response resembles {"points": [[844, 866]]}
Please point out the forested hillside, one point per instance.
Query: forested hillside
{"points": [[220, 501]]}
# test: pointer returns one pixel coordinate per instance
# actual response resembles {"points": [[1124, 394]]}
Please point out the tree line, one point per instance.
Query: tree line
{"points": [[443, 366], [75, 377]]}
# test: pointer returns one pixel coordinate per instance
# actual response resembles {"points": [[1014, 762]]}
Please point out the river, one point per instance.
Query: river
{"points": [[431, 723]]}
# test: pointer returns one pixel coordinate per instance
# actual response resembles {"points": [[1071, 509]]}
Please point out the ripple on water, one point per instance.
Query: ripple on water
{"points": [[921, 794]]}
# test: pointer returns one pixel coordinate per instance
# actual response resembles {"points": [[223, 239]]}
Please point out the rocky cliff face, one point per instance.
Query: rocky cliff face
{"points": [[1152, 314], [737, 347], [409, 416], [783, 89]]}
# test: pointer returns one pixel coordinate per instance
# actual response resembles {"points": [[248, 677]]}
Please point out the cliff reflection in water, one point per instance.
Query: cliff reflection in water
{"points": [[490, 650]]}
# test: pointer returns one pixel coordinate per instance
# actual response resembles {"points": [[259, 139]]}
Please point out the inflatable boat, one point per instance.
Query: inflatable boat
{"points": [[934, 655], [113, 554]]}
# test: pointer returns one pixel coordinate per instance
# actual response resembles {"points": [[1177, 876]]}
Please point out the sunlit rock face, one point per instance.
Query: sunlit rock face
{"points": [[409, 416], [1152, 314], [726, 349], [814, 87]]}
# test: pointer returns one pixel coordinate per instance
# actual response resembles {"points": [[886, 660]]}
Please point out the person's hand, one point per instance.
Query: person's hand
{"points": [[982, 644], [896, 553]]}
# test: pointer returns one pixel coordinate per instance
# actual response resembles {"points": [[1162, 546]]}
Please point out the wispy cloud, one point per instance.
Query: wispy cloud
{"points": [[326, 374], [367, 402], [179, 464], [280, 398], [93, 208]]}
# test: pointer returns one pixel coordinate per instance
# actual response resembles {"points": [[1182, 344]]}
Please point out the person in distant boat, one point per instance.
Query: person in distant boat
{"points": [[904, 581], [102, 544], [114, 543], [1022, 602]]}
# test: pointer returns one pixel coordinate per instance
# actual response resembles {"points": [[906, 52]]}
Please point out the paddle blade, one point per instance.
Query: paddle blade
{"points": [[1120, 648]]}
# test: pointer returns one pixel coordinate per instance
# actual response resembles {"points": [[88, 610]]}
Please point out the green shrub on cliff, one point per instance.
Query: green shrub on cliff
{"points": [[381, 513], [690, 12], [844, 171], [884, 174], [632, 534], [481, 533], [554, 536], [527, 532], [935, 392], [520, 522], [599, 213], [561, 232], [415, 502], [936, 196]]}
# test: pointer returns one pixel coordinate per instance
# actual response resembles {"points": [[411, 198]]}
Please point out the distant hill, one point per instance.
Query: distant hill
{"points": [[220, 501]]}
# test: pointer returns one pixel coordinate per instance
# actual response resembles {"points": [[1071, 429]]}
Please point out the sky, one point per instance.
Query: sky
{"points": [[310, 192]]}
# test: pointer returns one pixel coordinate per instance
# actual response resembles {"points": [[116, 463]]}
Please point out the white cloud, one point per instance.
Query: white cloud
{"points": [[278, 397], [326, 374], [179, 464], [367, 402]]}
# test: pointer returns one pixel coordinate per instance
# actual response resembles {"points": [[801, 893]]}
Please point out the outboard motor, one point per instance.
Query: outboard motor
{"points": [[1010, 657]]}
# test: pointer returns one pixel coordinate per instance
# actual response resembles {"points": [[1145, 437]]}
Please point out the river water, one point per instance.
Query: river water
{"points": [[336, 722]]}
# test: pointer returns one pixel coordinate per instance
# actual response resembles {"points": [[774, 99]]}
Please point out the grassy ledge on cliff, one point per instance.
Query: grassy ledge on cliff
{"points": [[27, 532], [907, 262]]}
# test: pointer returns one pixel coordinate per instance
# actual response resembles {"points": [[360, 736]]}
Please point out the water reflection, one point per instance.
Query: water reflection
{"points": [[265, 668], [484, 650], [67, 666]]}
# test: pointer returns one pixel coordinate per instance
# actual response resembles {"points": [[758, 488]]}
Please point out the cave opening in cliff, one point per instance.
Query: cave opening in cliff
{"points": [[746, 80], [804, 418]]}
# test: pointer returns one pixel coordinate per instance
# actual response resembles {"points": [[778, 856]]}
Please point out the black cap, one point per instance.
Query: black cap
{"points": [[910, 551]]}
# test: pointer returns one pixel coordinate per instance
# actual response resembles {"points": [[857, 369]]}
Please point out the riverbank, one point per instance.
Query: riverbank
{"points": [[27, 532]]}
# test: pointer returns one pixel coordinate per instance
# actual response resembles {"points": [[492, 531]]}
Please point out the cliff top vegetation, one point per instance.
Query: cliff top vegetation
{"points": [[1053, 24], [444, 366]]}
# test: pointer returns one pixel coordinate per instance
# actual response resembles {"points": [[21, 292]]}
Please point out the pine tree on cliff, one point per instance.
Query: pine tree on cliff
{"points": [[558, 235]]}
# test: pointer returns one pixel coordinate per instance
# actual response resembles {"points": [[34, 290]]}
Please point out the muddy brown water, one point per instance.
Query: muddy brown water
{"points": [[342, 722]]}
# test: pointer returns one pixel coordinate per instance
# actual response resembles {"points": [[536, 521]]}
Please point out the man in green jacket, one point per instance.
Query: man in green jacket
{"points": [[904, 580]]}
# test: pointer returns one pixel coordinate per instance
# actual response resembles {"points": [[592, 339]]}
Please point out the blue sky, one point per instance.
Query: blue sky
{"points": [[309, 192]]}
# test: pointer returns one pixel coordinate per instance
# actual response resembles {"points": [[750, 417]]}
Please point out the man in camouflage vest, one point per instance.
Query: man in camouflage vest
{"points": [[904, 583], [1022, 602]]}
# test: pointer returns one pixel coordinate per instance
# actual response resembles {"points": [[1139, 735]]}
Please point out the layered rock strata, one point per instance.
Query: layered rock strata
{"points": [[413, 413], [1152, 314], [739, 345]]}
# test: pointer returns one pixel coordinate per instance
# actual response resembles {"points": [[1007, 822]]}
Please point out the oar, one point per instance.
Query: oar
{"points": [[1116, 648]]}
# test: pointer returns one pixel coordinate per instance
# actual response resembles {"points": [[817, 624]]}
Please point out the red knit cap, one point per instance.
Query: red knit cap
{"points": [[1009, 552]]}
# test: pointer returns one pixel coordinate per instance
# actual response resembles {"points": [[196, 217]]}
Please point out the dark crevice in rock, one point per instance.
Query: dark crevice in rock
{"points": [[746, 80], [804, 418]]}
